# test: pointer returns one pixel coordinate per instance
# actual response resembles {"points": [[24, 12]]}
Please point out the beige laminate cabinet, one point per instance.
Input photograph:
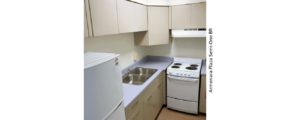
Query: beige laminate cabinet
{"points": [[188, 16], [148, 104], [86, 34], [202, 99], [153, 101], [87, 21], [104, 17], [135, 111], [158, 30], [132, 17], [170, 18], [198, 15], [180, 16]]}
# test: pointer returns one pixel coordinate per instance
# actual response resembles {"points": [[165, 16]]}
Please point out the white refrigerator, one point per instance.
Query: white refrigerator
{"points": [[103, 96]]}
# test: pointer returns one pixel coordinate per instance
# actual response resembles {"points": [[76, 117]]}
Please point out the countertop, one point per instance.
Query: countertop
{"points": [[203, 67], [130, 92]]}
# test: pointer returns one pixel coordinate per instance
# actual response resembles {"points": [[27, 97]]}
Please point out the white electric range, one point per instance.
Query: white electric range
{"points": [[183, 80]]}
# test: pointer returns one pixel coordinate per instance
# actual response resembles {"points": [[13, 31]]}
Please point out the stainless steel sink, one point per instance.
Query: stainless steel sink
{"points": [[143, 71], [138, 75]]}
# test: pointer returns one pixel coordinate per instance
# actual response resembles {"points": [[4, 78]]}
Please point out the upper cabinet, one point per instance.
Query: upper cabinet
{"points": [[158, 28], [86, 33], [170, 18], [108, 17], [132, 17], [188, 16], [198, 15], [87, 21], [104, 17], [180, 16]]}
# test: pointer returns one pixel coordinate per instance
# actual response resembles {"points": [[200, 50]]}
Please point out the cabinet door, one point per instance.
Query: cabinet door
{"points": [[86, 34], [137, 115], [153, 103], [202, 99], [149, 108], [87, 21], [162, 79], [181, 16], [158, 30], [134, 110], [132, 17], [170, 18], [198, 15], [104, 17], [159, 94]]}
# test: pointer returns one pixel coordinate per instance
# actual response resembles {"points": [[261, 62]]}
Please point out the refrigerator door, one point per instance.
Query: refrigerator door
{"points": [[102, 86], [118, 113]]}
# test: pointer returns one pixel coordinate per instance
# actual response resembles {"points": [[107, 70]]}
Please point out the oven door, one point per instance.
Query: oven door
{"points": [[183, 88]]}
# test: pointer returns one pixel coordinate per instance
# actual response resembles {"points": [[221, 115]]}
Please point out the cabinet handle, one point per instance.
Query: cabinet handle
{"points": [[116, 62]]}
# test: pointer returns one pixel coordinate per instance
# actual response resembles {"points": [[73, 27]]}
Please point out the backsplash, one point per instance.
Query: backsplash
{"points": [[123, 44], [181, 47]]}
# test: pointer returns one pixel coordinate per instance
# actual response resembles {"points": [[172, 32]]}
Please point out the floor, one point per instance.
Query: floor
{"points": [[167, 114]]}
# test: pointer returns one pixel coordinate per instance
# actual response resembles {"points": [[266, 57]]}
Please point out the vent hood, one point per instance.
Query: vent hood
{"points": [[166, 2], [188, 33]]}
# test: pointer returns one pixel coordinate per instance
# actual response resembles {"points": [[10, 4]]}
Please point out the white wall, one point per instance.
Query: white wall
{"points": [[181, 47], [122, 44]]}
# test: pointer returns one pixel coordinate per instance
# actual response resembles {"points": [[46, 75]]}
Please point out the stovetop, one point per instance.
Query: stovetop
{"points": [[185, 67]]}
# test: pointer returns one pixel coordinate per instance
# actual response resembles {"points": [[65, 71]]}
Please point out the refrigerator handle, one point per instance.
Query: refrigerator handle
{"points": [[112, 111]]}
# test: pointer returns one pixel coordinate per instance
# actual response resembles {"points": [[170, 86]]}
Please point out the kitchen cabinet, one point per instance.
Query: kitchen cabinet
{"points": [[202, 99], [148, 104], [132, 17], [86, 33], [170, 18], [180, 16], [87, 21], [158, 28], [153, 101], [104, 17], [135, 111], [188, 16], [198, 15]]}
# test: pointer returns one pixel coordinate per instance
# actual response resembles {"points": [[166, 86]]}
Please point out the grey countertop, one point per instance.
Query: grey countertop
{"points": [[203, 67], [130, 92]]}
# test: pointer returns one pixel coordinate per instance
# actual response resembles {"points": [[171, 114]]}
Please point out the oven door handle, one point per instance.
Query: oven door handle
{"points": [[183, 78]]}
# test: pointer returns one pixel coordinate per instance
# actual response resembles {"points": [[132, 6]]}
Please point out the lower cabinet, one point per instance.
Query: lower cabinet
{"points": [[158, 28], [148, 104], [134, 110], [202, 99], [153, 102]]}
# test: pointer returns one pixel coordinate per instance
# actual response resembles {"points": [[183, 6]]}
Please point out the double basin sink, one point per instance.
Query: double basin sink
{"points": [[138, 75]]}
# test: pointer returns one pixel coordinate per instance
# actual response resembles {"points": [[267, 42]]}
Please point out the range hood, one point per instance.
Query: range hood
{"points": [[166, 2], [188, 33]]}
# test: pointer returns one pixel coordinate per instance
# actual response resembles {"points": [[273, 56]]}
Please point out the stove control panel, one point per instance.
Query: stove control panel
{"points": [[182, 74]]}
